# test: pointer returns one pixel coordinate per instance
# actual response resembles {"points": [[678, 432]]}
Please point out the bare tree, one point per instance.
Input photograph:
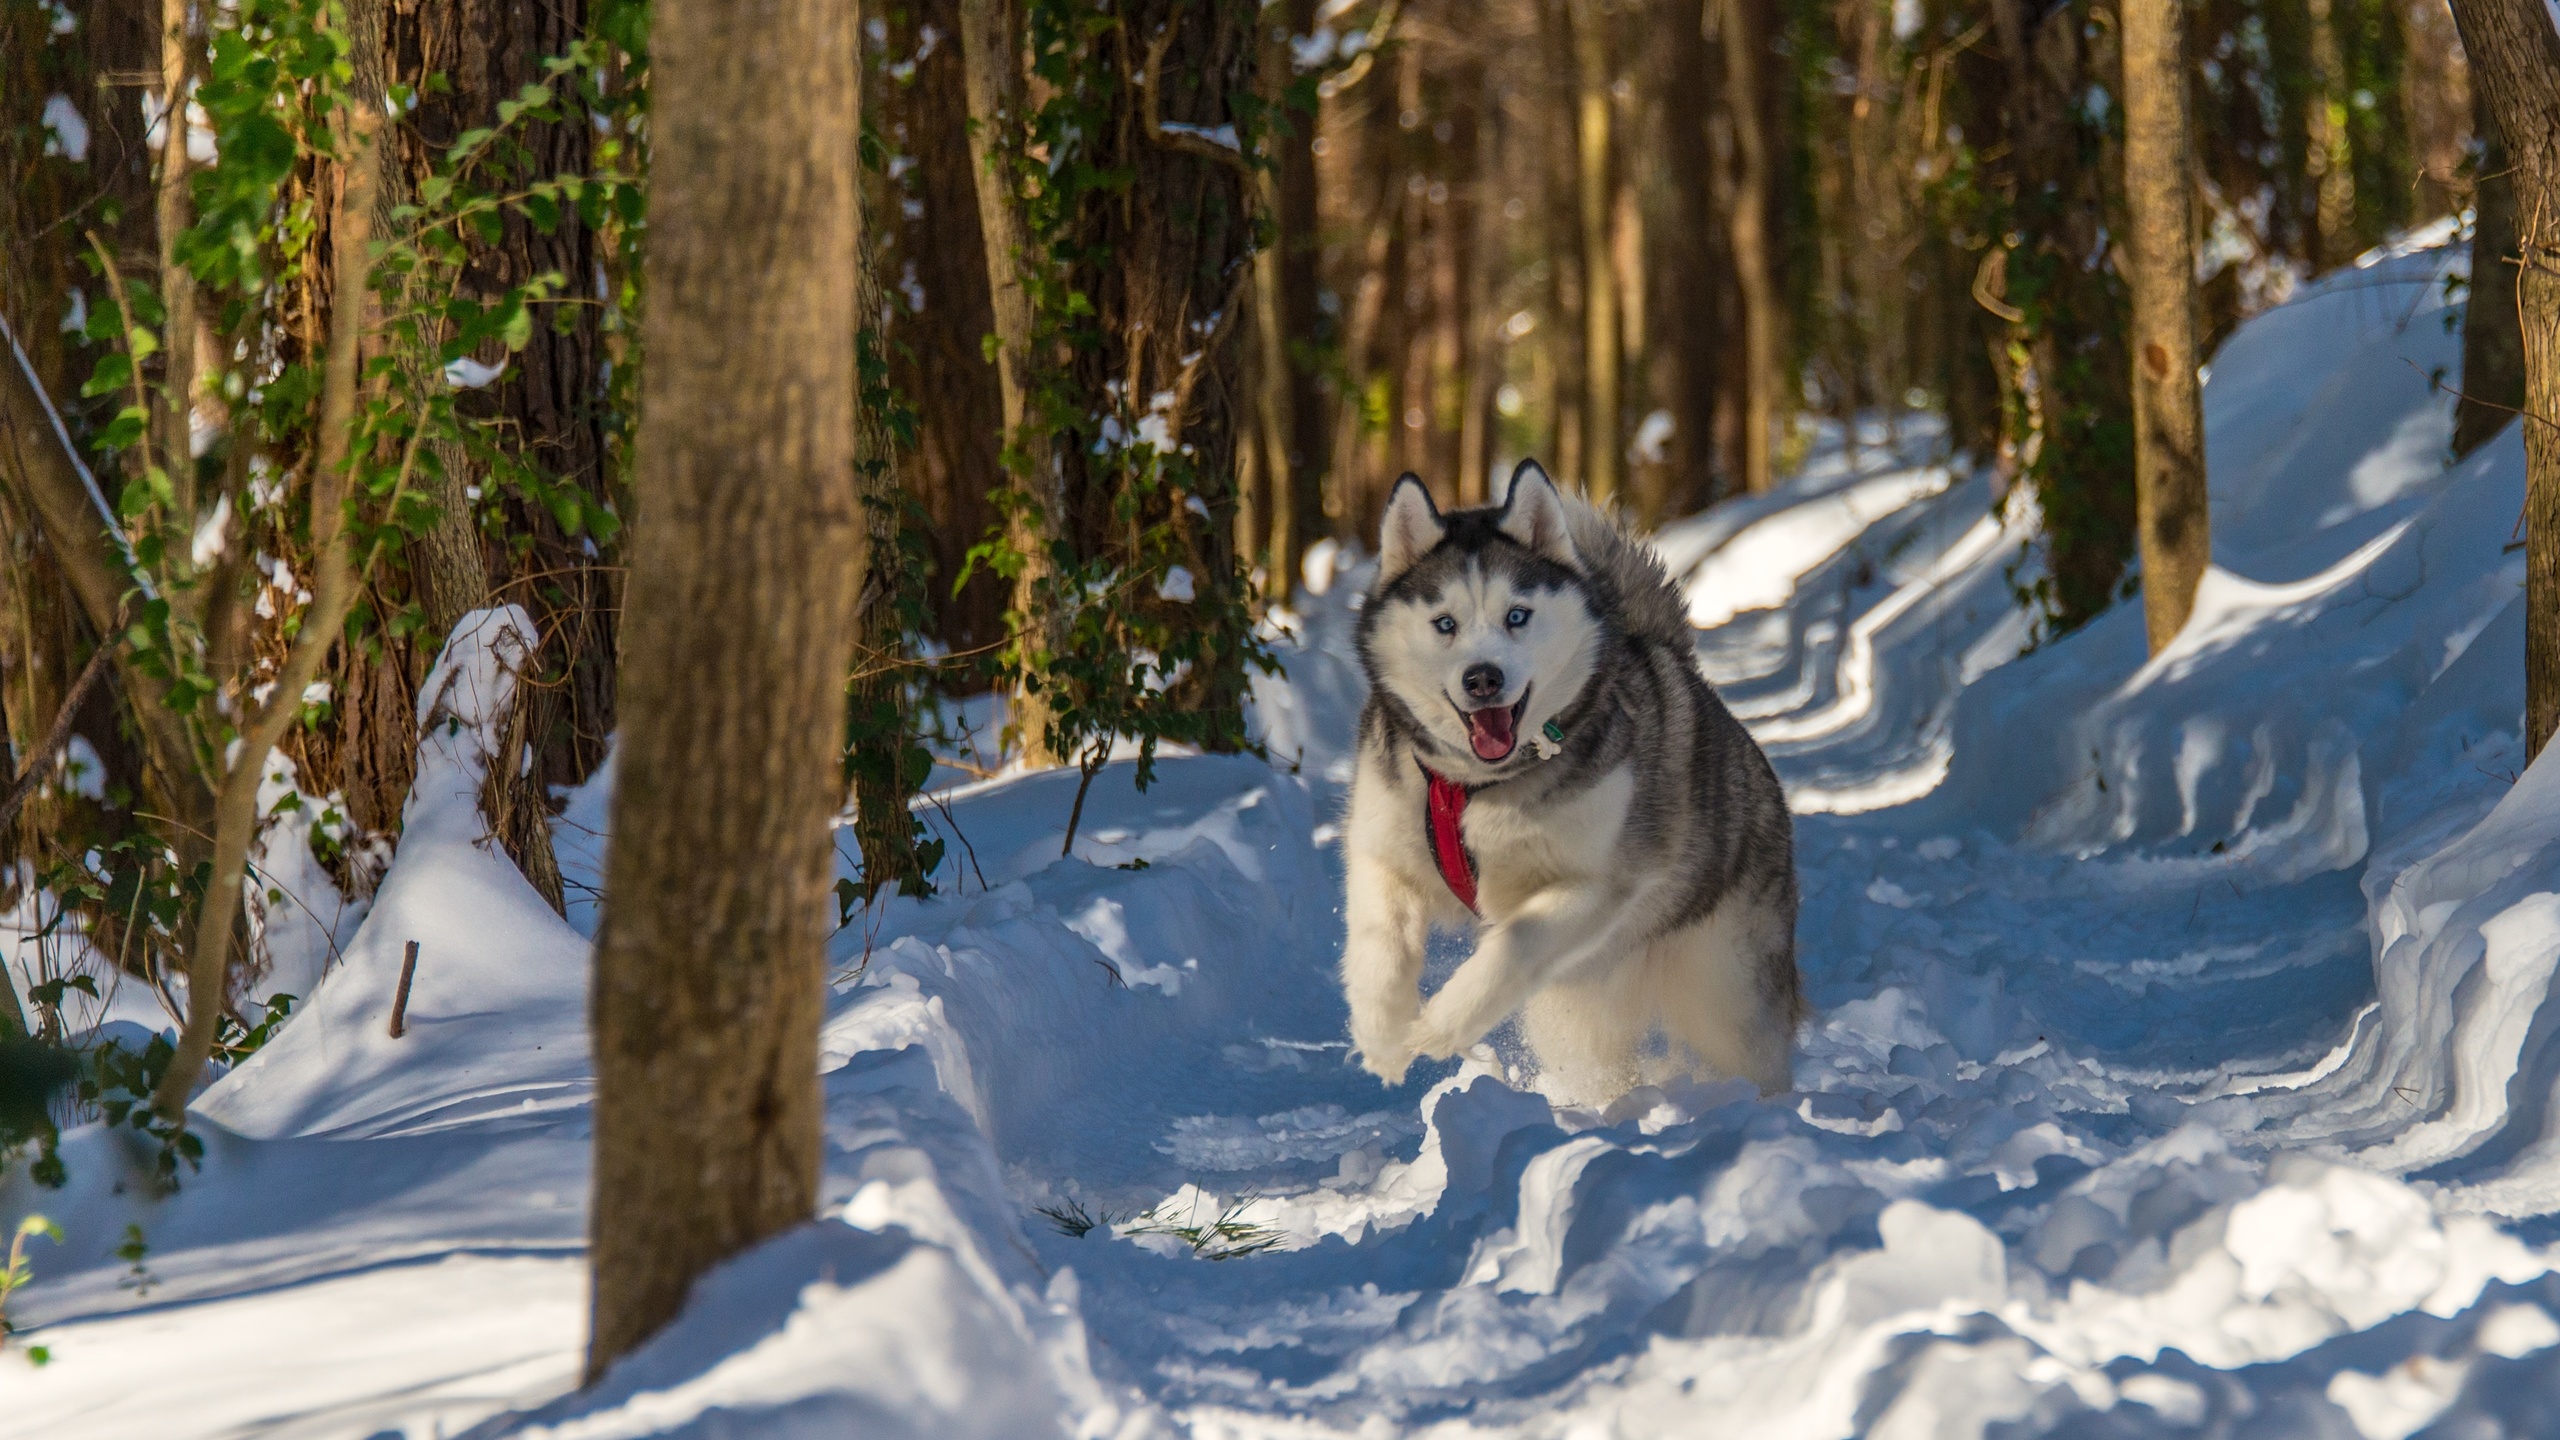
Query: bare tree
{"points": [[737, 633], [2515, 63], [2168, 401]]}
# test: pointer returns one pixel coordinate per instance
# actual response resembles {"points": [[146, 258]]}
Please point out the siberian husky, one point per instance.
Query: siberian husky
{"points": [[1541, 761]]}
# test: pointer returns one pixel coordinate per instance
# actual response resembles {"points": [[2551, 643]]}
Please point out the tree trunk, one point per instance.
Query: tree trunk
{"points": [[745, 560], [1567, 293], [2168, 402], [1178, 244], [886, 768], [1267, 506], [1742, 35], [2073, 324], [935, 257], [1302, 322], [2492, 333], [2330, 165], [991, 48], [1603, 440], [332, 486], [2515, 62], [174, 209], [1692, 261]]}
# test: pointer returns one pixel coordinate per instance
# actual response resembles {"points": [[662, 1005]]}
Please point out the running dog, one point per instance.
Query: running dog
{"points": [[1541, 760]]}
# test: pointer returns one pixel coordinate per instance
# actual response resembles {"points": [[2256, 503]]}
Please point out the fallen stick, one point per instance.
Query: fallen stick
{"points": [[400, 1000]]}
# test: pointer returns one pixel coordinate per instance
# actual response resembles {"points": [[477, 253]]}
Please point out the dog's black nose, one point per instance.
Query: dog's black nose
{"points": [[1483, 681]]}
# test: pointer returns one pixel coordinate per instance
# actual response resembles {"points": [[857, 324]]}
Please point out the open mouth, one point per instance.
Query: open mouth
{"points": [[1495, 730]]}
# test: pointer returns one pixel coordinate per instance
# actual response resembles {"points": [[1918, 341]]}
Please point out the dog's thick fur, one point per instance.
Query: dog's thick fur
{"points": [[1636, 886]]}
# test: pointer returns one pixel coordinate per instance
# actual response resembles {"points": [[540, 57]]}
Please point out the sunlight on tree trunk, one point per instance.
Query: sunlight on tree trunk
{"points": [[1603, 446], [990, 46], [2515, 61], [1745, 48], [2168, 402], [745, 559]]}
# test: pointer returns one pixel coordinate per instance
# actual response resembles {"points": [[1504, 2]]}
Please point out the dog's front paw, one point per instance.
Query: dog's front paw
{"points": [[1438, 1035], [1388, 1061], [1380, 1018]]}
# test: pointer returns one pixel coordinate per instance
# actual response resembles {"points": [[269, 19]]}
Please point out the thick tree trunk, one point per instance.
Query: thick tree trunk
{"points": [[1692, 262], [1603, 353], [935, 261], [483, 52], [991, 48], [745, 561], [2168, 401], [2492, 333], [2073, 326], [1742, 36], [1178, 244], [2515, 62]]}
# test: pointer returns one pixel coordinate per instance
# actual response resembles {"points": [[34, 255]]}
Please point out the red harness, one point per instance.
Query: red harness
{"points": [[1447, 806]]}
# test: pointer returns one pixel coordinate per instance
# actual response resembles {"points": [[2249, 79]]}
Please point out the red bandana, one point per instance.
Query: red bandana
{"points": [[1446, 806]]}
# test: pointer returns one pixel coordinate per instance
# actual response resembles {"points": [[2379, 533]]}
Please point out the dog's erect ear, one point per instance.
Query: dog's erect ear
{"points": [[1534, 515], [1413, 527]]}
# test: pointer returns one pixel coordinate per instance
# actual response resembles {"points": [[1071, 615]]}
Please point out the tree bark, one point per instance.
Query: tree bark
{"points": [[174, 207], [882, 720], [1301, 319], [935, 254], [2168, 402], [2492, 332], [1178, 246], [2515, 63], [2073, 322], [1567, 265], [745, 561], [991, 46], [1603, 352], [1741, 34], [1692, 261]]}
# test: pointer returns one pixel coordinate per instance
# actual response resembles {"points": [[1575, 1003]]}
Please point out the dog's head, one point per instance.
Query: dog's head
{"points": [[1481, 625]]}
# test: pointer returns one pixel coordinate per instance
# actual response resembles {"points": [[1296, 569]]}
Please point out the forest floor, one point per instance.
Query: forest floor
{"points": [[2183, 1063]]}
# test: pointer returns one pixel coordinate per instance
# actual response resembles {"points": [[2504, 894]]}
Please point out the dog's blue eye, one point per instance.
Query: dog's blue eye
{"points": [[1517, 618], [1445, 625]]}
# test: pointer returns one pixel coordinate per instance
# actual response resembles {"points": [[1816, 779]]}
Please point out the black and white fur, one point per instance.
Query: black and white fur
{"points": [[1636, 885]]}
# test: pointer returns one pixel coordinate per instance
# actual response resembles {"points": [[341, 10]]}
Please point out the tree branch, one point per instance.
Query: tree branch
{"points": [[333, 590], [1190, 140], [60, 735]]}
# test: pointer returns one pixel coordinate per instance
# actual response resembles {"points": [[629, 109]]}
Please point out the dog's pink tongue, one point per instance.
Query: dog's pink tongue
{"points": [[1489, 730]]}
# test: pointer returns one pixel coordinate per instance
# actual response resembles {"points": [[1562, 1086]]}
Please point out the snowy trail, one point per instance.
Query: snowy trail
{"points": [[2130, 1108]]}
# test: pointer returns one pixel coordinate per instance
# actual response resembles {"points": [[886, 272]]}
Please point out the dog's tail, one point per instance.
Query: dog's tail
{"points": [[1652, 606]]}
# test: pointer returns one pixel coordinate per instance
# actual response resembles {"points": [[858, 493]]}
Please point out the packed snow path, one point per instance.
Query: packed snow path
{"points": [[2184, 1060]]}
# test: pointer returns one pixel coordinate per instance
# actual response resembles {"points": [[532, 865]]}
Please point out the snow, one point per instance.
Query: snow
{"points": [[2184, 1058]]}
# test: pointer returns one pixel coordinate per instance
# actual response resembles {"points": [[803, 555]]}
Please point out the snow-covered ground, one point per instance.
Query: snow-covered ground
{"points": [[2185, 1060]]}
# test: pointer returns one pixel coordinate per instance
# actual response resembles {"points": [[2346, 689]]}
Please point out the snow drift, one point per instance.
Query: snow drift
{"points": [[2185, 1058]]}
